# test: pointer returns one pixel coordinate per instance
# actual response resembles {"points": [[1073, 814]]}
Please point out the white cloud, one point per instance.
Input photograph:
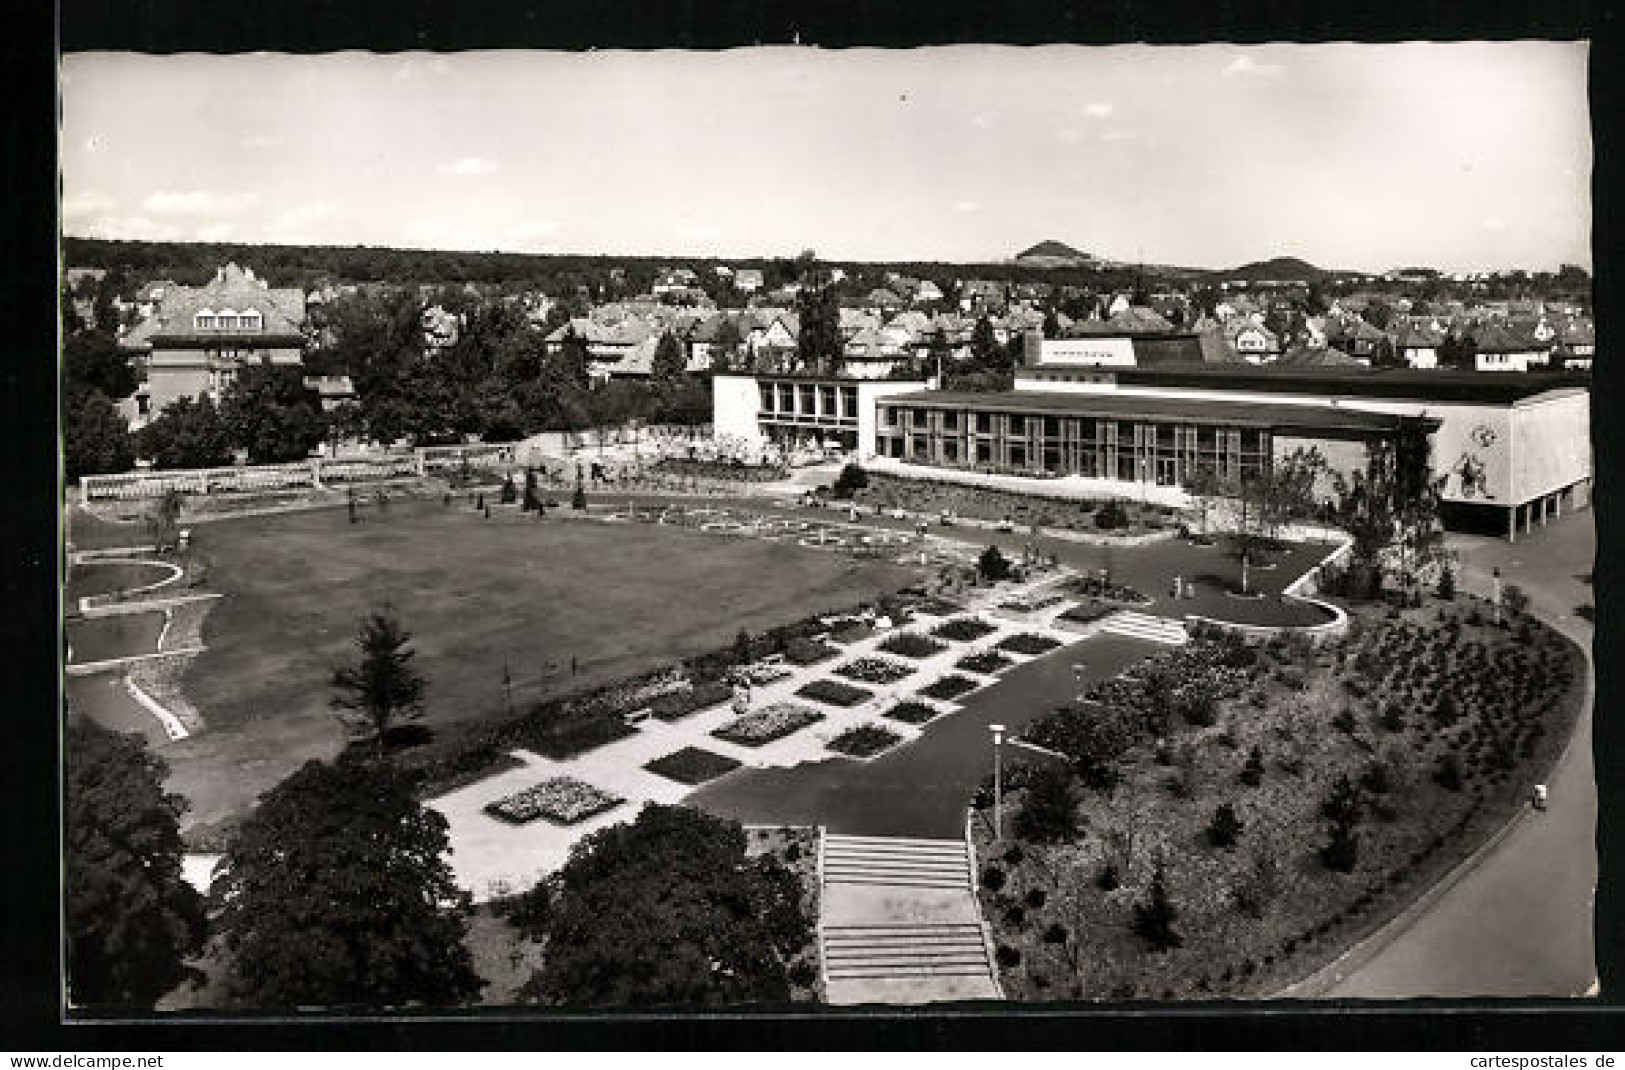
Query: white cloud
{"points": [[1245, 64], [1115, 134], [260, 141], [87, 203], [1495, 224], [199, 202], [967, 206], [698, 231], [1100, 109], [216, 232], [132, 227], [470, 165], [1068, 133], [981, 122]]}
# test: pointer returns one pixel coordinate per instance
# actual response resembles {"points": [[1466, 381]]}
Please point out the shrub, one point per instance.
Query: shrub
{"points": [[993, 878], [911, 712], [1447, 583], [1252, 771], [510, 493], [1015, 917], [1028, 643], [578, 500], [1111, 516], [834, 692], [1035, 898], [1447, 774], [1050, 812], [948, 687], [1154, 918], [803, 974], [808, 652], [912, 645], [1015, 854], [1225, 827], [1108, 880], [864, 740], [1055, 934], [993, 566], [1007, 956], [986, 662], [963, 629], [1345, 722], [851, 480]]}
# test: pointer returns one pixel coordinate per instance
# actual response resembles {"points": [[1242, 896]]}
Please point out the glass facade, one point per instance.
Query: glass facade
{"points": [[1158, 451]]}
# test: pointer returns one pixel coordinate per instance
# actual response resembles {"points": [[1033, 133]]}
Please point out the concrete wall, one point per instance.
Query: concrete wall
{"points": [[869, 393], [1551, 444], [736, 405], [1087, 352]]}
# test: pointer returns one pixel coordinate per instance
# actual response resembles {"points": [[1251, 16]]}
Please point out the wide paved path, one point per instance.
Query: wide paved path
{"points": [[1519, 923], [922, 789]]}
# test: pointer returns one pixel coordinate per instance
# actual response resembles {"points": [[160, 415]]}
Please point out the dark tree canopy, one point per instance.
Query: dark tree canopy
{"points": [[269, 412], [131, 918], [669, 360], [336, 892], [1050, 812], [666, 910], [93, 360], [95, 437], [382, 687], [819, 345], [189, 433]]}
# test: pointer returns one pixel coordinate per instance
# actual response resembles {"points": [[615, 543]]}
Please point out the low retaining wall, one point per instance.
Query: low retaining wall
{"points": [[1299, 590]]}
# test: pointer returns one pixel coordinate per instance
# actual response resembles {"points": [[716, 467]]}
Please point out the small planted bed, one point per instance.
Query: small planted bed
{"points": [[691, 765], [912, 712], [768, 724], [834, 693], [963, 629], [913, 645], [949, 687], [1028, 643], [808, 652], [864, 740], [562, 800], [986, 662], [874, 670], [680, 704]]}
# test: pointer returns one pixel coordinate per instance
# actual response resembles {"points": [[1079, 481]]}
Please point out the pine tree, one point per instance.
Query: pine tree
{"points": [[383, 687], [1154, 918]]}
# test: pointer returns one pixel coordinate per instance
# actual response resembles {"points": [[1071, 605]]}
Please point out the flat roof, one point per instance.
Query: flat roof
{"points": [[1120, 406], [1411, 384]]}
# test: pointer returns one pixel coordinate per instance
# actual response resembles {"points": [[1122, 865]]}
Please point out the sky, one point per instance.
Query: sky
{"points": [[1464, 157]]}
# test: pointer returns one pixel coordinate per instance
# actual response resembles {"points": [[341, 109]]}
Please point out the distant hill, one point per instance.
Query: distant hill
{"points": [[1053, 251], [1278, 269]]}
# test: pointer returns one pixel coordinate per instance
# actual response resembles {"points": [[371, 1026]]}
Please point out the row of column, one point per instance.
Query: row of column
{"points": [[1547, 506]]}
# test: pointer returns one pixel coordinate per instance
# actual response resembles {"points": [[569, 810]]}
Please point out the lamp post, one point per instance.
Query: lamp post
{"points": [[1078, 672], [998, 782], [1495, 580]]}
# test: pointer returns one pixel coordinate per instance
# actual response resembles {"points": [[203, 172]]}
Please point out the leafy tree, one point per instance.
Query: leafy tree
{"points": [[669, 361], [1342, 808], [164, 520], [1050, 812], [1205, 488], [851, 480], [131, 919], [1515, 598], [818, 345], [1447, 583], [269, 412], [725, 346], [1154, 918], [984, 348], [95, 437], [1225, 827], [665, 910], [1094, 738], [93, 360], [509, 493], [336, 892], [383, 687], [189, 433], [993, 566]]}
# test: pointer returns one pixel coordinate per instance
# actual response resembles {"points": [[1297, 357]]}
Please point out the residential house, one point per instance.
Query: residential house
{"points": [[1251, 341], [748, 280], [1417, 344], [980, 297], [199, 337]]}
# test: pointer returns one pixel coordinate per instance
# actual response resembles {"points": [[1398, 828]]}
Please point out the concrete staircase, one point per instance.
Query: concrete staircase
{"points": [[1144, 626], [900, 924], [886, 860]]}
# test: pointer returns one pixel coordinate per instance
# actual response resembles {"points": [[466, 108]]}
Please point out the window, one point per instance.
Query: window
{"points": [[984, 423], [227, 320], [950, 421], [766, 392], [250, 321], [1018, 425], [849, 402], [204, 320]]}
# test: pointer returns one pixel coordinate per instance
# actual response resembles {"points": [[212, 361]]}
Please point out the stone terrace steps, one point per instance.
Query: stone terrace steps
{"points": [[913, 863], [1144, 626], [939, 949]]}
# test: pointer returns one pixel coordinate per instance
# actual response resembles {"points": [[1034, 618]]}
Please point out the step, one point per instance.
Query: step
{"points": [[1141, 626], [902, 842], [960, 884]]}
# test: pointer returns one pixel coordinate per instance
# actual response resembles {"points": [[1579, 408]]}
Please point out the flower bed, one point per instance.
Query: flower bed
{"points": [[1089, 612], [963, 629], [913, 712], [949, 687], [1032, 605], [680, 704], [768, 724], [936, 607], [808, 652], [834, 692], [875, 670], [864, 740], [562, 800], [1028, 643], [913, 645], [1105, 590], [986, 662], [850, 631], [691, 765]]}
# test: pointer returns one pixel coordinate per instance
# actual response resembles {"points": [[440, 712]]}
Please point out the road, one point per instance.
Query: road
{"points": [[1519, 923]]}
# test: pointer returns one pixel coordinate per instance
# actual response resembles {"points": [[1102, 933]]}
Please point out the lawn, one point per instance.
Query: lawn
{"points": [[562, 605]]}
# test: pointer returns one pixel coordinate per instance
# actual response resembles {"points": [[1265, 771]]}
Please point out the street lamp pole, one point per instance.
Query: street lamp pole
{"points": [[998, 782], [1078, 672]]}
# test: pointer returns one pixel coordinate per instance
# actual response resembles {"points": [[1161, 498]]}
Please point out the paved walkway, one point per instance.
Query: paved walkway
{"points": [[1519, 923]]}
